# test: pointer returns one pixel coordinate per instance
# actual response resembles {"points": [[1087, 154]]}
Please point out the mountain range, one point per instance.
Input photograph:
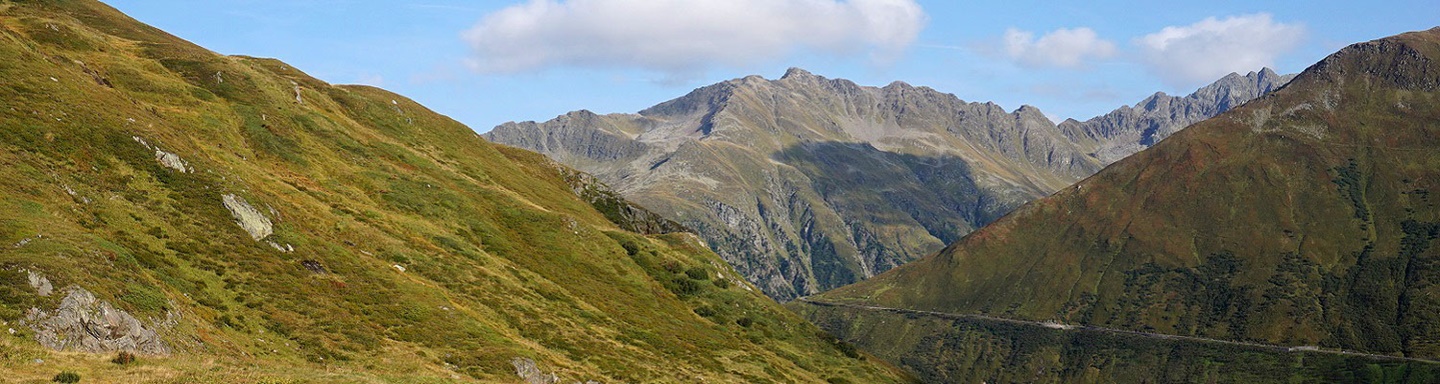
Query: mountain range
{"points": [[807, 183], [232, 219], [1302, 221]]}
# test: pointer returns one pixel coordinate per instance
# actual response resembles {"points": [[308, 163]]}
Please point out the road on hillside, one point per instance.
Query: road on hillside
{"points": [[1115, 331]]}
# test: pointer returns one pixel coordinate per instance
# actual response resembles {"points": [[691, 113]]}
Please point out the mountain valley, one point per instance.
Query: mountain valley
{"points": [[807, 183]]}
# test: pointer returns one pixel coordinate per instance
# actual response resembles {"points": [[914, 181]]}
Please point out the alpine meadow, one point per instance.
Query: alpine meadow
{"points": [[454, 191]]}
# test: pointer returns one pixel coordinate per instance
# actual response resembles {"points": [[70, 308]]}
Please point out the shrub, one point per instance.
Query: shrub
{"points": [[848, 349], [67, 377], [721, 283], [124, 358], [672, 266], [697, 273], [684, 287]]}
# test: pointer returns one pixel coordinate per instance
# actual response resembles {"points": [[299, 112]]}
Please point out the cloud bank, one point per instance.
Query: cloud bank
{"points": [[1061, 48], [1212, 48], [680, 37]]}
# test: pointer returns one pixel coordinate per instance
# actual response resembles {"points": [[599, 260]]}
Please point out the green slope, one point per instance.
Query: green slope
{"points": [[402, 247], [1305, 217]]}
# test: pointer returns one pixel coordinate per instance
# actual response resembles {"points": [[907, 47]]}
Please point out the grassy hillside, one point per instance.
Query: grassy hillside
{"points": [[400, 247], [1303, 218]]}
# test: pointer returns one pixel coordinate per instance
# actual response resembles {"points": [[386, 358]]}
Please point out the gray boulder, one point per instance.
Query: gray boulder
{"points": [[86, 324]]}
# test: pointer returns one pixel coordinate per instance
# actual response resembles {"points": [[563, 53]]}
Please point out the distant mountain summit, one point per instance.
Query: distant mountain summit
{"points": [[807, 183], [1128, 130]]}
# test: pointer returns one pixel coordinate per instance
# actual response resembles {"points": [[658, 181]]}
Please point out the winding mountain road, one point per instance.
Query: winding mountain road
{"points": [[1115, 331]]}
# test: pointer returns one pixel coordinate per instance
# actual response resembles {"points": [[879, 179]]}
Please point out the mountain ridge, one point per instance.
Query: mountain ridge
{"points": [[956, 165], [1129, 129], [783, 128]]}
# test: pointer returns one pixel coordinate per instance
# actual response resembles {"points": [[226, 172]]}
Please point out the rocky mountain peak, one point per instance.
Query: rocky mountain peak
{"points": [[796, 73], [1406, 61], [1028, 109], [1267, 73], [1128, 130], [899, 85]]}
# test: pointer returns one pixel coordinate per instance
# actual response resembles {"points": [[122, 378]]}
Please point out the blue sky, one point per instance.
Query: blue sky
{"points": [[488, 62]]}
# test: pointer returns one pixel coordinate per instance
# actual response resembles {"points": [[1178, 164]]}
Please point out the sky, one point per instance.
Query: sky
{"points": [[489, 62]]}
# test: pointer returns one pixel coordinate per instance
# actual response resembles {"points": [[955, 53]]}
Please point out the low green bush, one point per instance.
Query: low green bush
{"points": [[67, 377]]}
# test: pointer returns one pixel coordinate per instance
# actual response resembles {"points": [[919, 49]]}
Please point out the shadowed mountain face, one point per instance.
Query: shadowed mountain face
{"points": [[807, 183], [1306, 217], [232, 219]]}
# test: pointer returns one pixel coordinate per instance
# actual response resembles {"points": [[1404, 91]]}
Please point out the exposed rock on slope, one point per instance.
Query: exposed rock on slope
{"points": [[806, 183], [86, 324], [249, 218], [1304, 218]]}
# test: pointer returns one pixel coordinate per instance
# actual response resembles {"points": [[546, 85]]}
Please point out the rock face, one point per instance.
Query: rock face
{"points": [[806, 183], [249, 218], [84, 323], [1128, 130]]}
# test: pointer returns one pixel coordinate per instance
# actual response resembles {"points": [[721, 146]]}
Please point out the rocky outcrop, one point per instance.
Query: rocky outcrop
{"points": [[623, 213], [531, 372], [172, 161], [247, 217], [86, 324], [167, 159], [40, 283]]}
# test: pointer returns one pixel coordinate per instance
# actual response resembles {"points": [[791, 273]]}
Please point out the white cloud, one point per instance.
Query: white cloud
{"points": [[1063, 48], [680, 37], [1212, 48]]}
